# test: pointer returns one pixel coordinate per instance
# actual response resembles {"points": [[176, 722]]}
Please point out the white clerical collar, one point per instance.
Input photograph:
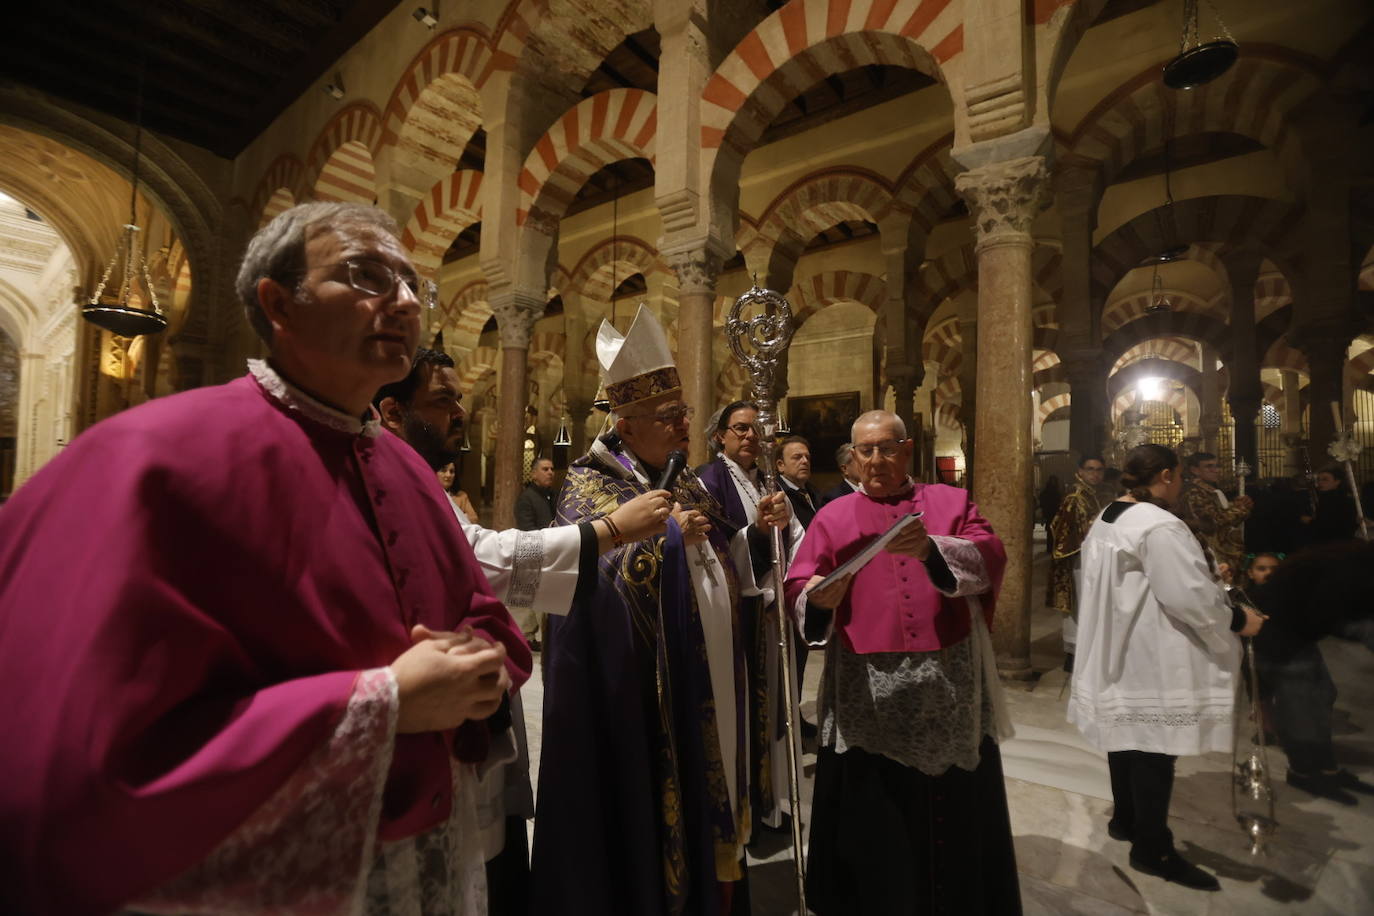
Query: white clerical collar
{"points": [[854, 485], [311, 408], [748, 475]]}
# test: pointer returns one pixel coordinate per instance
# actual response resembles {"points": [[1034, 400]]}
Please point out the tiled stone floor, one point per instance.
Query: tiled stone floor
{"points": [[1321, 862]]}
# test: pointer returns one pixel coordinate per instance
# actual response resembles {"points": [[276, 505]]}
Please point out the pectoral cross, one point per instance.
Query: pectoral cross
{"points": [[706, 562]]}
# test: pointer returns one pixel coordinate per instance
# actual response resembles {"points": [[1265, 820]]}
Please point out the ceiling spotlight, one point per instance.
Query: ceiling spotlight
{"points": [[427, 17], [335, 89], [1171, 254]]}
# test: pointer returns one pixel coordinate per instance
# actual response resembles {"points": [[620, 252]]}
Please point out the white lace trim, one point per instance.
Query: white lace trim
{"points": [[964, 560], [308, 848], [298, 400], [441, 872]]}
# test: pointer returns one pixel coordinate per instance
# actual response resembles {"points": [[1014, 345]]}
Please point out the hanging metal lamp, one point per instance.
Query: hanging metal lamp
{"points": [[1199, 62], [120, 308], [562, 437]]}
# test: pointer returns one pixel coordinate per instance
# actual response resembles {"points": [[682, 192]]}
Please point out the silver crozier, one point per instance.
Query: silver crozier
{"points": [[758, 341]]}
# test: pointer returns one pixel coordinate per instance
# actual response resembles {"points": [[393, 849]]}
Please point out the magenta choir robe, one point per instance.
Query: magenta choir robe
{"points": [[891, 605], [192, 597]]}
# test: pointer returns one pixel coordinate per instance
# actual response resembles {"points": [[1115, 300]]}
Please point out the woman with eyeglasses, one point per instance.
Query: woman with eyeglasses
{"points": [[1155, 672]]}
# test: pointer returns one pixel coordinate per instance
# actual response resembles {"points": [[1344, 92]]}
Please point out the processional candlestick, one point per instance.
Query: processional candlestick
{"points": [[759, 342]]}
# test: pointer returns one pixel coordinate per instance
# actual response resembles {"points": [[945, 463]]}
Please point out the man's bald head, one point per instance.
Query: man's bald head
{"points": [[884, 418]]}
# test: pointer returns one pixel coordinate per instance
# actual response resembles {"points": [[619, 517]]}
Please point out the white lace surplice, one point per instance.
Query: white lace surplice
{"points": [[312, 847], [925, 710]]}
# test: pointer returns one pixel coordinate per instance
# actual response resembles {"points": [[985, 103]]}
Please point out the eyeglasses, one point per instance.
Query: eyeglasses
{"points": [[667, 416], [742, 429], [377, 279], [888, 449]]}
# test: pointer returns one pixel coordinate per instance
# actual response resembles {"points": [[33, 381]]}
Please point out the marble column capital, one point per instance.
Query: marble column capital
{"points": [[696, 270], [1004, 198], [516, 312]]}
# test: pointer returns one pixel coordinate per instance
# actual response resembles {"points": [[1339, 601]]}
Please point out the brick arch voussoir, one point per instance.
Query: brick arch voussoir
{"points": [[453, 204], [359, 121], [605, 128], [637, 255], [286, 171], [460, 51], [804, 41]]}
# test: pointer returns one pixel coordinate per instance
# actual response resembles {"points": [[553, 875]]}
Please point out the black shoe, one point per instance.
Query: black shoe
{"points": [[534, 644], [1118, 831], [1068, 663], [809, 731], [1173, 867], [1344, 779], [1322, 786]]}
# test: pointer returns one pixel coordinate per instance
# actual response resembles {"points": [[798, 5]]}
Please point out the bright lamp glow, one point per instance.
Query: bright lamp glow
{"points": [[1151, 389]]}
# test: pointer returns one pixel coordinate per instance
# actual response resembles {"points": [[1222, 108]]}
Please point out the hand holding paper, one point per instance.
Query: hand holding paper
{"points": [[912, 542]]}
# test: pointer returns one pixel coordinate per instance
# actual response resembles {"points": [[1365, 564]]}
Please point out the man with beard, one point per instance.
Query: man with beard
{"points": [[736, 481], [533, 571]]}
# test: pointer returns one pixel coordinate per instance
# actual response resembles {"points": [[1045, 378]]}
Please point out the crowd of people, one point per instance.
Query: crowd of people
{"points": [[287, 678]]}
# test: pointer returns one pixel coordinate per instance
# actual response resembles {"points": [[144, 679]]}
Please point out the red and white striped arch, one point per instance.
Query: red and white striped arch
{"points": [[614, 259], [1126, 309], [476, 366], [468, 313], [1254, 99], [1230, 220], [340, 163], [435, 109], [814, 293], [1174, 349], [452, 205], [925, 191], [948, 275], [608, 127], [1050, 405], [279, 189], [801, 44], [814, 204]]}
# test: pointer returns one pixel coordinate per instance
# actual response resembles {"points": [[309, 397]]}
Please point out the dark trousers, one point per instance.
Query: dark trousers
{"points": [[1141, 785], [1302, 695]]}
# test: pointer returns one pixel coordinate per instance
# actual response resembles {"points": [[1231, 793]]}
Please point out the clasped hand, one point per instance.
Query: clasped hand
{"points": [[774, 511], [447, 678]]}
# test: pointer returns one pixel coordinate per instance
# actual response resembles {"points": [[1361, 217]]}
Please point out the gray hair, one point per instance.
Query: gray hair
{"points": [[277, 250], [876, 417], [844, 453]]}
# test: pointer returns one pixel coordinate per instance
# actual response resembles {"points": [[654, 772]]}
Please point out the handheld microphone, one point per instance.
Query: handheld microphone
{"points": [[677, 460]]}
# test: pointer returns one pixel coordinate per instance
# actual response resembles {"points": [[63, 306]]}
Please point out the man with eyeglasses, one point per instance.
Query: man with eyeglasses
{"points": [[909, 813], [1068, 528], [849, 468], [278, 656], [1219, 522], [735, 479], [643, 784]]}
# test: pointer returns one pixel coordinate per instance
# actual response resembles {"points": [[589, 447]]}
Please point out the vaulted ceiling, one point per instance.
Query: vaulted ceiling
{"points": [[215, 72]]}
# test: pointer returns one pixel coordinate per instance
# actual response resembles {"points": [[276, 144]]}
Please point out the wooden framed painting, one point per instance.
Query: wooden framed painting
{"points": [[824, 419]]}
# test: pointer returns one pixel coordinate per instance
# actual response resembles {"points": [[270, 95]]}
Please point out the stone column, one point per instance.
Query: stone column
{"points": [[1325, 348], [516, 313], [1004, 198], [1076, 196], [1209, 398], [696, 283], [1087, 402], [1244, 393], [904, 405], [968, 382], [1291, 430]]}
